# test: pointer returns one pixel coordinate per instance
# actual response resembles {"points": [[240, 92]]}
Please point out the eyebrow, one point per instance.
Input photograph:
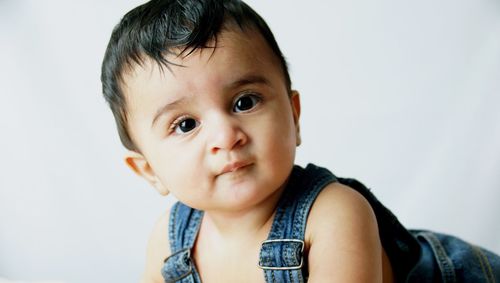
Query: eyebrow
{"points": [[246, 80], [165, 109], [249, 79]]}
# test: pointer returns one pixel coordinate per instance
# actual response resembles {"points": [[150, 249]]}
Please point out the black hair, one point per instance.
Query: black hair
{"points": [[162, 27]]}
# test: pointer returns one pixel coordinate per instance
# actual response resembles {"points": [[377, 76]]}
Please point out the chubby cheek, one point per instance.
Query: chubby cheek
{"points": [[180, 170], [279, 140]]}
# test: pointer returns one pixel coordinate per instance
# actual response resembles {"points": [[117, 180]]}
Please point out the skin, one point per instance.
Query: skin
{"points": [[220, 134]]}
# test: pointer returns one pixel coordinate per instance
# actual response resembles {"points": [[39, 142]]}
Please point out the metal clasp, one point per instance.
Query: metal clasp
{"points": [[301, 242]]}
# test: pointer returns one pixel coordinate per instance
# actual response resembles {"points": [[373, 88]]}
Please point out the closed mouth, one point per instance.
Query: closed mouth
{"points": [[235, 166]]}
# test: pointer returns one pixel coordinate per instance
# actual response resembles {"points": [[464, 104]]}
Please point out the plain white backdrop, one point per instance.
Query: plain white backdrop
{"points": [[402, 95]]}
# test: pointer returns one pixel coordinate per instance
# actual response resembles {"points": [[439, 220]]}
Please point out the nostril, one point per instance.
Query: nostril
{"points": [[214, 150], [228, 138]]}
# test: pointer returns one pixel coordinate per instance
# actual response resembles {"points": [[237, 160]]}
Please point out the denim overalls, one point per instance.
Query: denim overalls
{"points": [[415, 255]]}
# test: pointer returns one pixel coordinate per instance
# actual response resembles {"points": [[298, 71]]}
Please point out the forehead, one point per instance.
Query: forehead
{"points": [[237, 53]]}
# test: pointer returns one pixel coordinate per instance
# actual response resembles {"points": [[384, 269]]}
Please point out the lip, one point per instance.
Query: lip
{"points": [[234, 166]]}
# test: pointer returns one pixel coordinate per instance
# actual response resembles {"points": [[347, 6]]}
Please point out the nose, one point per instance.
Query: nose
{"points": [[226, 135]]}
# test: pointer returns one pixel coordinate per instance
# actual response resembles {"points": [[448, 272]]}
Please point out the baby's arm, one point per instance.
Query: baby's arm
{"points": [[158, 249], [342, 233]]}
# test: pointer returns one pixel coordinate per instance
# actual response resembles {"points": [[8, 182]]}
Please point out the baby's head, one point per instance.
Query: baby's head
{"points": [[202, 98]]}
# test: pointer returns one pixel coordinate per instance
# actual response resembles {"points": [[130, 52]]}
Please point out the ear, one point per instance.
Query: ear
{"points": [[295, 102], [139, 164]]}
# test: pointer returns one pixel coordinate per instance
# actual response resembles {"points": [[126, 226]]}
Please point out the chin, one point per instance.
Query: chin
{"points": [[246, 196]]}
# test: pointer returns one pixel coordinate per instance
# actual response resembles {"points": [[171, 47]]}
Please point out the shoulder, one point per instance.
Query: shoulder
{"points": [[336, 202], [157, 250], [338, 205], [342, 230]]}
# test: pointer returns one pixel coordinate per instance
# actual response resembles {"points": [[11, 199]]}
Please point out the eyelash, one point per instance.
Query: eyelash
{"points": [[177, 122], [257, 99]]}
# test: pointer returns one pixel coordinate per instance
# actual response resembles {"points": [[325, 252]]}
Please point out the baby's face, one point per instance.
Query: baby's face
{"points": [[220, 132]]}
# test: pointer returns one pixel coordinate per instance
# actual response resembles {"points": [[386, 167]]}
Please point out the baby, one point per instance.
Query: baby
{"points": [[203, 101]]}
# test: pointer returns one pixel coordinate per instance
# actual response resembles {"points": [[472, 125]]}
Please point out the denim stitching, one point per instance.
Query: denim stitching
{"points": [[483, 261], [480, 260], [185, 241], [277, 223], [286, 253], [171, 232], [189, 231], [307, 204], [300, 221], [194, 227], [297, 215], [304, 207], [444, 262], [266, 276], [300, 278]]}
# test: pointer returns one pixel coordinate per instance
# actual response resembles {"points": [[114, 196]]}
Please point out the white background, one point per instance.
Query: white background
{"points": [[402, 95]]}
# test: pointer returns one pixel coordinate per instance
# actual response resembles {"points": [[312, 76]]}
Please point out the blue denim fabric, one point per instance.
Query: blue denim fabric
{"points": [[448, 259], [183, 227], [281, 254], [415, 255]]}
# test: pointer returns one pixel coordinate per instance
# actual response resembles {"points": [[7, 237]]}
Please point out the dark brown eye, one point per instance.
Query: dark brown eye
{"points": [[186, 126], [245, 103]]}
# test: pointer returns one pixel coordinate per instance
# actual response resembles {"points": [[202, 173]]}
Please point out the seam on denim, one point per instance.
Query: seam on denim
{"points": [[266, 276], [444, 262], [480, 260], [276, 226], [187, 240], [285, 251], [299, 221], [171, 228], [298, 215], [483, 261], [194, 227], [305, 206], [193, 230], [190, 230], [487, 263], [300, 277]]}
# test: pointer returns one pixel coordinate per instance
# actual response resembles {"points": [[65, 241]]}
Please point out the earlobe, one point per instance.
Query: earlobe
{"points": [[139, 164], [295, 102]]}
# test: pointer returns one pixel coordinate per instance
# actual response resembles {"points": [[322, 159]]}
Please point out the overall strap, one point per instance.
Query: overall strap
{"points": [[182, 230], [281, 255]]}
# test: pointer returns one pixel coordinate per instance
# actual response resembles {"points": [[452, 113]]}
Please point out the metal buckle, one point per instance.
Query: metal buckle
{"points": [[287, 267], [190, 269]]}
